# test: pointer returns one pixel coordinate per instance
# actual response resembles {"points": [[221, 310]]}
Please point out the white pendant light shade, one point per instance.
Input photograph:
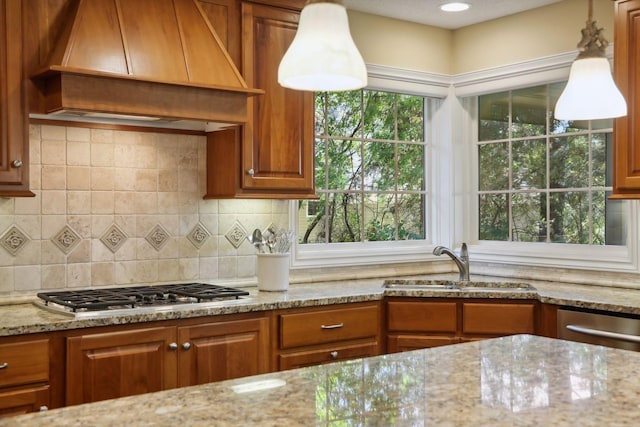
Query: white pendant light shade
{"points": [[323, 56], [590, 93]]}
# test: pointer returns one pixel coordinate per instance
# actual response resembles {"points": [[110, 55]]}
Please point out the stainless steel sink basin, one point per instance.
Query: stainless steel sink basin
{"points": [[453, 285]]}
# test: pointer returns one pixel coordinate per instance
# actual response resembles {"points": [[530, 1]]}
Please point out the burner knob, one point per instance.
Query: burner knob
{"points": [[173, 346], [186, 346]]}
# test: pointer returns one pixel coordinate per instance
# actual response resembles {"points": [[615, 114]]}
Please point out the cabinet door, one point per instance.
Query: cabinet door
{"points": [[115, 364], [277, 143], [14, 147], [626, 132], [224, 350]]}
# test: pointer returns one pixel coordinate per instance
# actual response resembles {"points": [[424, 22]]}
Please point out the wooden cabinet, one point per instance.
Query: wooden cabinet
{"points": [[24, 376], [272, 156], [626, 131], [106, 365], [223, 350], [328, 334], [415, 324], [14, 134]]}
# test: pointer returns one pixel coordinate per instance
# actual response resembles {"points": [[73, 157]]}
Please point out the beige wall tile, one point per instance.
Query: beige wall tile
{"points": [[246, 266], [125, 179], [102, 178], [125, 202], [28, 205], [188, 268], [104, 136], [54, 276], [146, 203], [208, 268], [147, 271], [227, 267], [27, 277], [168, 203], [78, 134], [53, 132], [167, 180], [125, 155], [146, 156], [35, 177], [102, 155], [125, 272], [78, 153], [168, 270], [102, 202], [79, 202], [78, 178], [146, 180], [54, 202], [51, 254], [81, 254], [102, 273], [54, 178], [79, 275], [53, 152]]}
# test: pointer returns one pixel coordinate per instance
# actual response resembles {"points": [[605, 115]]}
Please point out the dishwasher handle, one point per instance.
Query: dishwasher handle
{"points": [[603, 334]]}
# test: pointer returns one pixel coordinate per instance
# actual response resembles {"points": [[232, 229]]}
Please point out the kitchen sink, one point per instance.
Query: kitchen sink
{"points": [[453, 285]]}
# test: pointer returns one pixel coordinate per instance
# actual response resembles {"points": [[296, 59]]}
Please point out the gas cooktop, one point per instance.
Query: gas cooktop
{"points": [[135, 299]]}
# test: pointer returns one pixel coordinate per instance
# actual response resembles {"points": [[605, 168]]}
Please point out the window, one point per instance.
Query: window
{"points": [[541, 179], [370, 169]]}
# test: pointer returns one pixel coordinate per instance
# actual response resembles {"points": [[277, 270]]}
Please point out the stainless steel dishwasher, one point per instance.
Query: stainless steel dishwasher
{"points": [[611, 330]]}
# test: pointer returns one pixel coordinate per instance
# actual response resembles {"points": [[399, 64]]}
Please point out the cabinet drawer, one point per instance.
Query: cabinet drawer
{"points": [[326, 326], [335, 353], [24, 363], [421, 316], [479, 318], [23, 401]]}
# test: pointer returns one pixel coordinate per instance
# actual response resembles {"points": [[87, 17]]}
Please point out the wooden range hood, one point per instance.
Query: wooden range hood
{"points": [[156, 59]]}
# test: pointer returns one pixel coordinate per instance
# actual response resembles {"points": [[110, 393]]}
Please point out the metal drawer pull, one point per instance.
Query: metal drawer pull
{"points": [[173, 346], [334, 354], [604, 334], [5, 365], [336, 326]]}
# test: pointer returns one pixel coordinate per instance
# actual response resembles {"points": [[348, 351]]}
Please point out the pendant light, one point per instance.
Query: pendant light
{"points": [[590, 92], [323, 56]]}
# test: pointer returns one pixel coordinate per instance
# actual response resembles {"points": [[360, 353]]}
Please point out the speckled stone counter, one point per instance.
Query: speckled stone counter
{"points": [[25, 318], [520, 380]]}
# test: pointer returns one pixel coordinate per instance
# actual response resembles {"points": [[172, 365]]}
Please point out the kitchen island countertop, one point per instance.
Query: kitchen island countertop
{"points": [[520, 380], [26, 318]]}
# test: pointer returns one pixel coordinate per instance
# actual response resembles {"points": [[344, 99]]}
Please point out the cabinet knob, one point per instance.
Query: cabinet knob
{"points": [[173, 346], [44, 408], [16, 163], [251, 172], [334, 354], [186, 345], [5, 365]]}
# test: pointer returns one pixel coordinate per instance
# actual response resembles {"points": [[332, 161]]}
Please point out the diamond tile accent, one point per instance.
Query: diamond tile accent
{"points": [[13, 240], [158, 237], [198, 235], [67, 239], [236, 234], [113, 238]]}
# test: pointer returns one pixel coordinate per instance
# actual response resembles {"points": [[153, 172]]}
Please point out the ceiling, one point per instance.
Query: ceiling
{"points": [[427, 11]]}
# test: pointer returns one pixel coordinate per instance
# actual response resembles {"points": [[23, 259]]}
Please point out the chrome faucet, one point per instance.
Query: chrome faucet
{"points": [[462, 260]]}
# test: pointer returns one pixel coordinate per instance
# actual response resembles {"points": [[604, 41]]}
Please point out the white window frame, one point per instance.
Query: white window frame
{"points": [[430, 85], [534, 254]]}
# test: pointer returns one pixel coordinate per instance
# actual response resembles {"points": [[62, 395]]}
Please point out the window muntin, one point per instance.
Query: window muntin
{"points": [[541, 179], [370, 169]]}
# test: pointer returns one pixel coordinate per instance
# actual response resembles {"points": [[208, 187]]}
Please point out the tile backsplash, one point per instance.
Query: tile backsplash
{"points": [[118, 207]]}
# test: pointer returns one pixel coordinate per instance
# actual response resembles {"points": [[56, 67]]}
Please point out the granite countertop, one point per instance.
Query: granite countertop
{"points": [[25, 318], [520, 380]]}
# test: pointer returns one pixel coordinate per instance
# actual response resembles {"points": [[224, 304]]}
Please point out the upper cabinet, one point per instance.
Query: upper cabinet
{"points": [[272, 156], [14, 134], [626, 133]]}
